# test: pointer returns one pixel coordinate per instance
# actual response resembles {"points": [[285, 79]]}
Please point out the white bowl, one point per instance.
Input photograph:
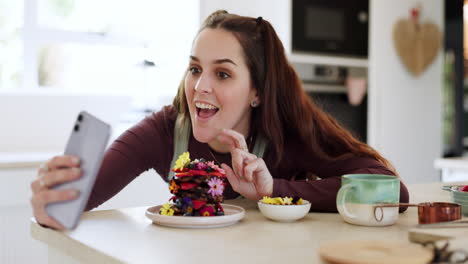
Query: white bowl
{"points": [[284, 213]]}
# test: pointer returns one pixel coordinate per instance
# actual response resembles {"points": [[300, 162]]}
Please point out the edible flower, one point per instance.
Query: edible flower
{"points": [[282, 200], [287, 200], [174, 188], [216, 186], [207, 211], [182, 161], [215, 167], [166, 210], [268, 200], [198, 204], [201, 166]]}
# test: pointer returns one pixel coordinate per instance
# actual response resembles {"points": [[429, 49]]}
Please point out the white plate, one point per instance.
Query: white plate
{"points": [[232, 214]]}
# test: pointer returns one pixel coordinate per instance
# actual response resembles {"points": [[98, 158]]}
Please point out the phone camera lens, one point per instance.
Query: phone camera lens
{"points": [[80, 118], [77, 127]]}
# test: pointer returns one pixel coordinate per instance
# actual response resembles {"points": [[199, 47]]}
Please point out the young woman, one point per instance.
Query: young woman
{"points": [[240, 96]]}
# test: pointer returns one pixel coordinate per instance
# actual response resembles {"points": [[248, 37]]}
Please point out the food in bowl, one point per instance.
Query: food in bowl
{"points": [[282, 200], [464, 188], [284, 209], [197, 186]]}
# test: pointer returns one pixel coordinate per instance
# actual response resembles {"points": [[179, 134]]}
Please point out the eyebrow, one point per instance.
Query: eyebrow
{"points": [[220, 61]]}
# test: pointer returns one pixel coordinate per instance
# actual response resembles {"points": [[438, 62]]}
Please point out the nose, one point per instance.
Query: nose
{"points": [[203, 85]]}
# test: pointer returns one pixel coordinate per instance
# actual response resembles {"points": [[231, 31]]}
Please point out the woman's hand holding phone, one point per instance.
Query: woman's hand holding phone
{"points": [[58, 170]]}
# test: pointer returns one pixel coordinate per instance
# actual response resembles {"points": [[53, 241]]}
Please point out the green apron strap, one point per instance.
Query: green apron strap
{"points": [[182, 132], [260, 146]]}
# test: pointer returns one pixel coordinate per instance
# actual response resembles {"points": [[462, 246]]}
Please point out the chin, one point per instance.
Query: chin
{"points": [[204, 135]]}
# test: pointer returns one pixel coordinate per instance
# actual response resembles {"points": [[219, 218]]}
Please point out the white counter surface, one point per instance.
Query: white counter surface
{"points": [[453, 169]]}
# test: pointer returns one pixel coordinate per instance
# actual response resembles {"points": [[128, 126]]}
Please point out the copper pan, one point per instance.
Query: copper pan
{"points": [[428, 213]]}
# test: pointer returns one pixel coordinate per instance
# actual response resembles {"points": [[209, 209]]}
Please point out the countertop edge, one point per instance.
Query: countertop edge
{"points": [[69, 246]]}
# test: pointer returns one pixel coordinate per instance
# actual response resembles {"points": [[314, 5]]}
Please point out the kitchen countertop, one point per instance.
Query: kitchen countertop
{"points": [[127, 236], [460, 163], [452, 169], [12, 160]]}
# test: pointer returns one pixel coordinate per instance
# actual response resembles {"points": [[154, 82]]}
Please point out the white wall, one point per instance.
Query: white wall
{"points": [[405, 112], [277, 12]]}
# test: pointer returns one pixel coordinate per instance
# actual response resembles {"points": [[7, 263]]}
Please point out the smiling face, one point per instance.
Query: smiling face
{"points": [[218, 86]]}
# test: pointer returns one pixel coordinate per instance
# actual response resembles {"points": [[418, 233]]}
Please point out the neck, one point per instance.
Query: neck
{"points": [[219, 146]]}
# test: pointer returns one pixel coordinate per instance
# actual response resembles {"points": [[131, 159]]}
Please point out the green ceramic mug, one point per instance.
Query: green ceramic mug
{"points": [[360, 192]]}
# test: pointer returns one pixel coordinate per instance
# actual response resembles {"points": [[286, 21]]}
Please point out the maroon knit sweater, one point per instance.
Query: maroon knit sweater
{"points": [[149, 145]]}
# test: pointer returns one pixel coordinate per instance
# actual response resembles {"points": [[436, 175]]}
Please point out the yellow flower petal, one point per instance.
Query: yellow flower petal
{"points": [[287, 200], [170, 212], [182, 161], [278, 200]]}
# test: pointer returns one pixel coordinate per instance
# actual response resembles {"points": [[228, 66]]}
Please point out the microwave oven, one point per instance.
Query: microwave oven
{"points": [[330, 27]]}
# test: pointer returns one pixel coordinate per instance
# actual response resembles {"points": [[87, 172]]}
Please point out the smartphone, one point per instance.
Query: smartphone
{"points": [[88, 141]]}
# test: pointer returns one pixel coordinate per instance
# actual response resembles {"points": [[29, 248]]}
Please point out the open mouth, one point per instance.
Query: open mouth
{"points": [[205, 110]]}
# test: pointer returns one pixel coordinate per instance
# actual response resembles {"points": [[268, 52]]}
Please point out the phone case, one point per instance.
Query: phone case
{"points": [[88, 141]]}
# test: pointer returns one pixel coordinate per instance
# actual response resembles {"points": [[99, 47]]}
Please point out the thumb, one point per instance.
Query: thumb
{"points": [[231, 176]]}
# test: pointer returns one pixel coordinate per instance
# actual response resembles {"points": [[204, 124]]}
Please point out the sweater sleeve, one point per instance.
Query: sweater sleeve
{"points": [[322, 193], [146, 145]]}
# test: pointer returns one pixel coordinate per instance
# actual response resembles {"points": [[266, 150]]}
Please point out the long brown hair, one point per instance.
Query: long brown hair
{"points": [[285, 108]]}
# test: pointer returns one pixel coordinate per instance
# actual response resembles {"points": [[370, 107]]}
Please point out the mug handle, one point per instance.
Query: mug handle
{"points": [[341, 200]]}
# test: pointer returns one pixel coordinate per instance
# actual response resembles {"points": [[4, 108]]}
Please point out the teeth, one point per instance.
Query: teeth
{"points": [[205, 106]]}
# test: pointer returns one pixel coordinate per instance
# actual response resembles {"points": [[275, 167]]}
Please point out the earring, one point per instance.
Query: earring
{"points": [[254, 103]]}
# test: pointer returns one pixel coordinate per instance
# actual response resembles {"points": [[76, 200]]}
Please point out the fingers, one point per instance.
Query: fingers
{"points": [[48, 175], [253, 166], [55, 177], [59, 169], [64, 161], [231, 176], [233, 138], [46, 220], [41, 199], [50, 196], [228, 141], [239, 159]]}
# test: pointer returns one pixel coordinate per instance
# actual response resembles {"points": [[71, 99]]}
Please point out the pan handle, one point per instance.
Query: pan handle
{"points": [[447, 188]]}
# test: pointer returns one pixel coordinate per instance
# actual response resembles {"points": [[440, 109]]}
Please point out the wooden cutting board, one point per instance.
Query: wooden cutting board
{"points": [[457, 238], [421, 235], [416, 44], [374, 252]]}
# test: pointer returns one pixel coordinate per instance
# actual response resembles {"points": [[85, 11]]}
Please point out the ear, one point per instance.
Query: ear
{"points": [[257, 98], [254, 100]]}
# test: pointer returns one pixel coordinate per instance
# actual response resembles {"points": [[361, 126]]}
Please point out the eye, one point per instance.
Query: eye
{"points": [[194, 70], [223, 75]]}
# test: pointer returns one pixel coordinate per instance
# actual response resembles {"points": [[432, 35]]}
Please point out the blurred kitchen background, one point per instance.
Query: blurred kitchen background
{"points": [[121, 60]]}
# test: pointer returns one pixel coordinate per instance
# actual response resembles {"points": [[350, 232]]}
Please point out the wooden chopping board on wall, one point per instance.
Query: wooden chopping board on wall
{"points": [[416, 44]]}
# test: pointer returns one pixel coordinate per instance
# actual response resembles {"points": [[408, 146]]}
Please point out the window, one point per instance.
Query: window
{"points": [[137, 47], [11, 44]]}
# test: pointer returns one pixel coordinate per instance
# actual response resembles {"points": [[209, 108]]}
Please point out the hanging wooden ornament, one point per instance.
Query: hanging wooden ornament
{"points": [[417, 44]]}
